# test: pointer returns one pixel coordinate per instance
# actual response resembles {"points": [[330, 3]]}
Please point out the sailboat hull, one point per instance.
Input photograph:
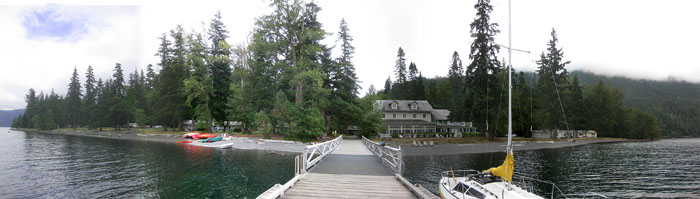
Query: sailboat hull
{"points": [[475, 188]]}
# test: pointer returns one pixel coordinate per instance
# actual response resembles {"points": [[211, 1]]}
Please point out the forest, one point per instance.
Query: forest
{"points": [[285, 81], [551, 98]]}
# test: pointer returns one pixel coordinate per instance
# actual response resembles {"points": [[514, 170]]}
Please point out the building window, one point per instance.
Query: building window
{"points": [[414, 106], [414, 115], [423, 115], [394, 106], [404, 115], [394, 115]]}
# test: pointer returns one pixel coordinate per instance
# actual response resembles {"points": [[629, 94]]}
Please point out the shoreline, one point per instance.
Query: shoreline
{"points": [[242, 143], [454, 149], [282, 146]]}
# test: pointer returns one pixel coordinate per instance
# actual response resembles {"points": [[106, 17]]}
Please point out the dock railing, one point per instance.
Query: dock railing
{"points": [[302, 163], [389, 155], [315, 153]]}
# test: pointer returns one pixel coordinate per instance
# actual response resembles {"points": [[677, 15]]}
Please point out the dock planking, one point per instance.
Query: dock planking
{"points": [[351, 171]]}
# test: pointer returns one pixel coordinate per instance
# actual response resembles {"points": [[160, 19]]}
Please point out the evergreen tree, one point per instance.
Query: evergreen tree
{"points": [[73, 100], [348, 79], [400, 72], [387, 86], [575, 107], [120, 111], [199, 85], [480, 74], [150, 78], [90, 99], [104, 102], [220, 70], [553, 78], [169, 107], [419, 88], [456, 78]]}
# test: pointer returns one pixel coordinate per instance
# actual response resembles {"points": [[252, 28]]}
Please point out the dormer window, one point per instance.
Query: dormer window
{"points": [[394, 106], [414, 106]]}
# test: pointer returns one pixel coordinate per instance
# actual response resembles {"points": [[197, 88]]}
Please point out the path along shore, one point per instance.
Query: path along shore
{"points": [[253, 143]]}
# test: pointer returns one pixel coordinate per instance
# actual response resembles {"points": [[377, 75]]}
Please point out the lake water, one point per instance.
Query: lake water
{"points": [[36, 165], [658, 169]]}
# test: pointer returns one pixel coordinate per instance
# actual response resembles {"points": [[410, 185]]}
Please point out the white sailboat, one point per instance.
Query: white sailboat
{"points": [[492, 183]]}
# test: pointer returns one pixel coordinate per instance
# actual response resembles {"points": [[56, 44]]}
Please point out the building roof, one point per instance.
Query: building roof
{"points": [[408, 122], [403, 105], [440, 114]]}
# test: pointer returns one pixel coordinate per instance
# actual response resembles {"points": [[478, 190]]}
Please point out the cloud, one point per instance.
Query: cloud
{"points": [[49, 23]]}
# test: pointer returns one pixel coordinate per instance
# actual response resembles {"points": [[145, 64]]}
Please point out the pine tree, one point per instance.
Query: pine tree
{"points": [[575, 106], [387, 86], [398, 90], [73, 100], [90, 99], [349, 79], [220, 69], [482, 84], [553, 77], [120, 111], [456, 79], [199, 85]]}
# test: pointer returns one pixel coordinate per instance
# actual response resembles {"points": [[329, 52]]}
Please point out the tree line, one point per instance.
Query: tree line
{"points": [[550, 98], [283, 81]]}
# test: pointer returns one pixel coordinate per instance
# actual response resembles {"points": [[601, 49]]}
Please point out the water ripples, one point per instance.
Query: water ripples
{"points": [[658, 169], [34, 165]]}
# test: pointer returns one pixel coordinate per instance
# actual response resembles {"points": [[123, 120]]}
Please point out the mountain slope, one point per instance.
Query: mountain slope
{"points": [[675, 104], [7, 116]]}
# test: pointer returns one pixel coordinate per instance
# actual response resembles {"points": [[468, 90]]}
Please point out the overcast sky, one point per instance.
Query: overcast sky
{"points": [[41, 42]]}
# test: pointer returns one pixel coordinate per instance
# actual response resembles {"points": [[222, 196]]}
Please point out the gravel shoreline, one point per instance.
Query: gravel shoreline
{"points": [[243, 143], [451, 149]]}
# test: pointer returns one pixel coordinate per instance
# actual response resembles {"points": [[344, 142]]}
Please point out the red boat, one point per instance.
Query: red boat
{"points": [[205, 136], [187, 141]]}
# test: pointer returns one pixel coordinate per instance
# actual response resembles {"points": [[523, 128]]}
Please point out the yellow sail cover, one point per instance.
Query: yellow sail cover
{"points": [[507, 165]]}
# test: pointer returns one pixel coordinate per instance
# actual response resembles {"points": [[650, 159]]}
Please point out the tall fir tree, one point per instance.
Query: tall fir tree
{"points": [[90, 99], [387, 86], [120, 111], [199, 85], [73, 97], [398, 90], [220, 69], [349, 78], [552, 80], [456, 79], [482, 83]]}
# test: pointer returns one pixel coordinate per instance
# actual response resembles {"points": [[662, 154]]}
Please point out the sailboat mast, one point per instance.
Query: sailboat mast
{"points": [[510, 87]]}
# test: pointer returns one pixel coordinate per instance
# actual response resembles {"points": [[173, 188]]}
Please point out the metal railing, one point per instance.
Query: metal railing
{"points": [[528, 184], [312, 155], [389, 155], [315, 153]]}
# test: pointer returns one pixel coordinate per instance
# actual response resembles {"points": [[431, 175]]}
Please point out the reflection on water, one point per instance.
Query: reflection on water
{"points": [[34, 165], [659, 169]]}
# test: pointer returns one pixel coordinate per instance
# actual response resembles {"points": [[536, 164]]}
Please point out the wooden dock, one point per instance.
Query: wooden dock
{"points": [[350, 171]]}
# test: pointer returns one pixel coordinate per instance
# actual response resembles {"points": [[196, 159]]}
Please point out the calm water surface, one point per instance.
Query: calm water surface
{"points": [[659, 169], [35, 165]]}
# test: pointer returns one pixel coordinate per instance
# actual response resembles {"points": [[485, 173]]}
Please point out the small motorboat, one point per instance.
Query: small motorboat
{"points": [[226, 146], [186, 141]]}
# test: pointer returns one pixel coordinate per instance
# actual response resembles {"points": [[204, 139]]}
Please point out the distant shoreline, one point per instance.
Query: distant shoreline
{"points": [[453, 149], [243, 143]]}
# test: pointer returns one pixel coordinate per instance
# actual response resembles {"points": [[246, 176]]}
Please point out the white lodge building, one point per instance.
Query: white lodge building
{"points": [[417, 118]]}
